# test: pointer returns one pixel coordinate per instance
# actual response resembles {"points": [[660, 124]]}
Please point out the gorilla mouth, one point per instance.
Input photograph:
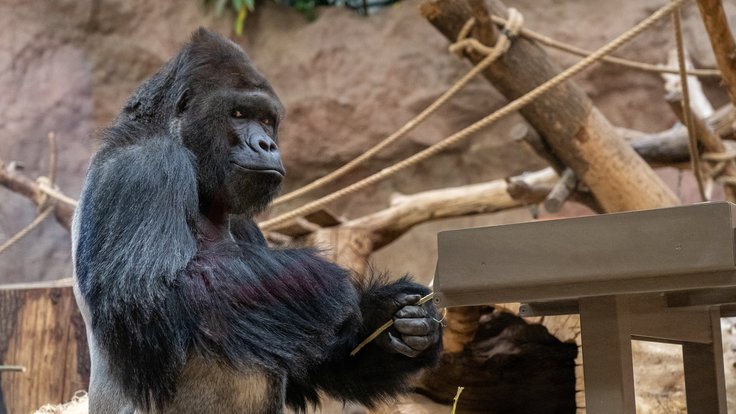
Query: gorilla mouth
{"points": [[260, 170]]}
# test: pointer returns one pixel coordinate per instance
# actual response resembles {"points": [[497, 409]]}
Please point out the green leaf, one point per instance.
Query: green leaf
{"points": [[220, 7], [240, 20], [250, 4], [237, 4]]}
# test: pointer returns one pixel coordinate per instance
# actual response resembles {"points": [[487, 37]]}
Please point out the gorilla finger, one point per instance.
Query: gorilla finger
{"points": [[420, 343], [413, 326], [401, 347], [404, 299], [410, 311]]}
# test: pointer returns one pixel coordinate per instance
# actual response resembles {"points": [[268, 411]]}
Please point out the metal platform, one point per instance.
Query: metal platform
{"points": [[662, 275]]}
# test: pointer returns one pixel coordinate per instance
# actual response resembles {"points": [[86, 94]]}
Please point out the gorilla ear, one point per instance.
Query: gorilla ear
{"points": [[182, 103]]}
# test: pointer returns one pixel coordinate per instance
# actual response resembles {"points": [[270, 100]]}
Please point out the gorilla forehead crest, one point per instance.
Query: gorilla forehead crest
{"points": [[208, 62], [209, 55]]}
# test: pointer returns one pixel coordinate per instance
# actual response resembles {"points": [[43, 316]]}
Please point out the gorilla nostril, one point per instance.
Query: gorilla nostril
{"points": [[264, 145], [273, 148]]}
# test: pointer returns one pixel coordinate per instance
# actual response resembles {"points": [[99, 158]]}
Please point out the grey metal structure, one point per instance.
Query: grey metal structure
{"points": [[662, 275]]}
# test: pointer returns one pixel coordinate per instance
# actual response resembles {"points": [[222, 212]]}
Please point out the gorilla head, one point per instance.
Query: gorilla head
{"points": [[227, 114]]}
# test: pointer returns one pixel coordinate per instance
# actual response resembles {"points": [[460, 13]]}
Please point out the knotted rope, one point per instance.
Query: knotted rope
{"points": [[510, 30], [478, 125]]}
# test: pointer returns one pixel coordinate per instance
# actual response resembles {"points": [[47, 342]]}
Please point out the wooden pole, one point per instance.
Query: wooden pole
{"points": [[722, 41], [41, 331], [575, 130]]}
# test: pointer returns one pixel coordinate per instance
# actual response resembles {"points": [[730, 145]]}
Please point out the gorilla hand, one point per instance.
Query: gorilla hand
{"points": [[415, 329]]}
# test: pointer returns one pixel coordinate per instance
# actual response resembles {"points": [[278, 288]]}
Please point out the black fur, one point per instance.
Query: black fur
{"points": [[167, 274]]}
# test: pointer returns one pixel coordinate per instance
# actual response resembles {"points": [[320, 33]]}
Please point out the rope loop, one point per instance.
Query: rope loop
{"points": [[509, 32]]}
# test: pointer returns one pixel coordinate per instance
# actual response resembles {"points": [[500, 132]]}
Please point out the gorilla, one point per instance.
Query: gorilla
{"points": [[186, 307]]}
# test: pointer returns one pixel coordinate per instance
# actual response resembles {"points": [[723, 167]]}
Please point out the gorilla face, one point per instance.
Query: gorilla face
{"points": [[228, 117]]}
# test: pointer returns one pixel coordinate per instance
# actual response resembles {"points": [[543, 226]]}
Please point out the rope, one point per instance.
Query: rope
{"points": [[728, 155], [27, 229], [511, 28], [475, 127], [574, 50], [687, 112]]}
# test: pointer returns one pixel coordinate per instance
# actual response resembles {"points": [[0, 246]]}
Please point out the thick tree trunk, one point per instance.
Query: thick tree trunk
{"points": [[573, 128], [42, 331]]}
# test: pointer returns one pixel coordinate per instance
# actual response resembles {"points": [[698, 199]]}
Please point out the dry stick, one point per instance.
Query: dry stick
{"points": [[561, 192], [23, 185], [53, 157], [457, 398], [385, 326], [493, 54], [488, 120], [57, 195], [687, 118], [27, 229], [722, 41], [47, 208], [12, 368], [577, 51]]}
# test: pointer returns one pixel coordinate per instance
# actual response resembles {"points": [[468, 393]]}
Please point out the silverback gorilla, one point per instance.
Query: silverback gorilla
{"points": [[187, 309]]}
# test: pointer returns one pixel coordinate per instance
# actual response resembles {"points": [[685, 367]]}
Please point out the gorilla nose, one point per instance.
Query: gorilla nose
{"points": [[260, 153], [267, 145]]}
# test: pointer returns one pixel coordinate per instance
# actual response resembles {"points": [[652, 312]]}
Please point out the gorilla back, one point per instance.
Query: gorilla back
{"points": [[187, 309]]}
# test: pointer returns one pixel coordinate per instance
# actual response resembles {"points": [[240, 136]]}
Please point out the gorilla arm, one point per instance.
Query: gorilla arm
{"points": [[385, 367]]}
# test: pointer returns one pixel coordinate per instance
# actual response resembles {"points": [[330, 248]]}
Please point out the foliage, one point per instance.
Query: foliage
{"points": [[240, 7], [243, 7]]}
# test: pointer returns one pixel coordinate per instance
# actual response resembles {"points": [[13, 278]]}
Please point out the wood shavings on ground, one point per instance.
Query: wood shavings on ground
{"points": [[78, 405]]}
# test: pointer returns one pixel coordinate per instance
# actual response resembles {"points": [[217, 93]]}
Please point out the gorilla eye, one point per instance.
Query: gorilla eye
{"points": [[267, 121], [237, 114]]}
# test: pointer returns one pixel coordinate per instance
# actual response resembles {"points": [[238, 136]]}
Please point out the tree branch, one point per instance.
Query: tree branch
{"points": [[19, 183]]}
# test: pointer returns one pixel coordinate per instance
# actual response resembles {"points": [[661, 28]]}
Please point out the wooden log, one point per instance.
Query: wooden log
{"points": [[670, 147], [666, 148], [575, 130], [41, 330], [722, 41], [407, 211]]}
